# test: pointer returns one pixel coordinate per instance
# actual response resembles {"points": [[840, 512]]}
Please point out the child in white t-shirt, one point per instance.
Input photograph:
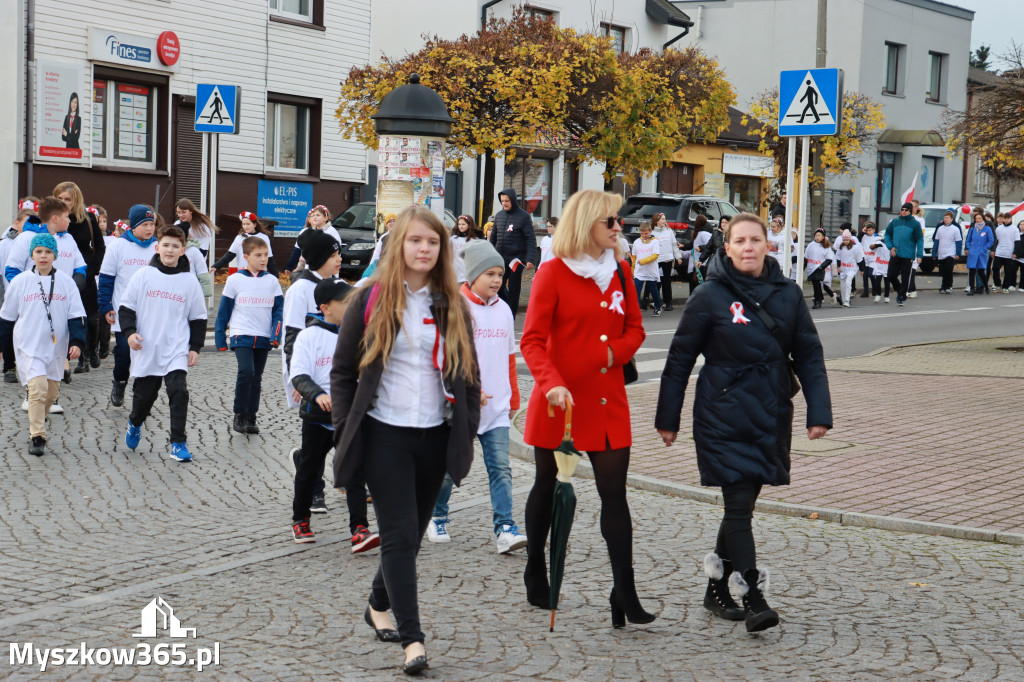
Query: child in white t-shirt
{"points": [[646, 273], [163, 317], [251, 227], [545, 243]]}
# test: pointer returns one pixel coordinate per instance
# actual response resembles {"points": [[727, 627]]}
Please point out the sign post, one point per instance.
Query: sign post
{"points": [[810, 104]]}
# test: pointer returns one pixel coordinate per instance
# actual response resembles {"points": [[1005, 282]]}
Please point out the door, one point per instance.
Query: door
{"points": [[453, 191], [676, 178], [188, 154]]}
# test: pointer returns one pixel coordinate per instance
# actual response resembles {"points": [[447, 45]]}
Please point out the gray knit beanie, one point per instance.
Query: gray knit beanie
{"points": [[480, 255]]}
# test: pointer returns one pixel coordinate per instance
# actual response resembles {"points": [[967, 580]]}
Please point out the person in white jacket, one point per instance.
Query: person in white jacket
{"points": [[818, 260], [851, 260]]}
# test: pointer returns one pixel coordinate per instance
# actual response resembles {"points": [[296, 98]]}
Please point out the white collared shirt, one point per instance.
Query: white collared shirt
{"points": [[410, 392]]}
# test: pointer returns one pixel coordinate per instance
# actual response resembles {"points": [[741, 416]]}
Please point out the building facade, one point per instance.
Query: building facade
{"points": [[125, 82], [911, 56]]}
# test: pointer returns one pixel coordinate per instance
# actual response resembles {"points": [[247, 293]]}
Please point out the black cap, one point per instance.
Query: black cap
{"points": [[907, 207], [317, 247], [331, 289]]}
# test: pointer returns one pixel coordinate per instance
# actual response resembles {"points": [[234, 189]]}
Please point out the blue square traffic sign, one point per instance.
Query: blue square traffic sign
{"points": [[217, 108], [810, 102]]}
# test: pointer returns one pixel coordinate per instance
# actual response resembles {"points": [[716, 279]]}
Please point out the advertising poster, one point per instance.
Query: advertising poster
{"points": [[286, 203], [59, 120], [392, 197], [410, 170]]}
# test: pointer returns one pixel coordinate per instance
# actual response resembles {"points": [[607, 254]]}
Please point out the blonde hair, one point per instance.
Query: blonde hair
{"points": [[580, 213], [77, 209], [386, 319]]}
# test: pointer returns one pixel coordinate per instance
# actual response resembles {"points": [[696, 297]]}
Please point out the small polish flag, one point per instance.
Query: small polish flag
{"points": [[909, 194], [515, 264], [1017, 209]]}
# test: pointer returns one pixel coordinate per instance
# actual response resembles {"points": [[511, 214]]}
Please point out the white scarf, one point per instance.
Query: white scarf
{"points": [[600, 270]]}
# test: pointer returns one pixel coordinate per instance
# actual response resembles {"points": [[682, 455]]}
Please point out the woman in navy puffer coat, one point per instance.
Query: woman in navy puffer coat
{"points": [[743, 410]]}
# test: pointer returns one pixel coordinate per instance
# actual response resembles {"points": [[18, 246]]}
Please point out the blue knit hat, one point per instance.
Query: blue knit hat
{"points": [[139, 214], [45, 240]]}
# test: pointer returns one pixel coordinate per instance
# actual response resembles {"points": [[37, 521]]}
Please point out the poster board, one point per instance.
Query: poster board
{"points": [[60, 122]]}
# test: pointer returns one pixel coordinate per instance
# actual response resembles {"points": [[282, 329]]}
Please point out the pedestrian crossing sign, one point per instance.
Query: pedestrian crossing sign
{"points": [[810, 102], [217, 108]]}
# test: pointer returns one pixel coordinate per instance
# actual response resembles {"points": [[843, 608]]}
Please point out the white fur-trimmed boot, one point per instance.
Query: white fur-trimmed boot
{"points": [[717, 599], [752, 585]]}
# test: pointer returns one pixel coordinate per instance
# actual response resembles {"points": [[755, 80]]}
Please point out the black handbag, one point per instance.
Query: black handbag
{"points": [[775, 329], [629, 371]]}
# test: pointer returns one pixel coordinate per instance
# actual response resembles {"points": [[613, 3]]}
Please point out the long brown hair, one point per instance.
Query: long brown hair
{"points": [[77, 209], [205, 226], [386, 319]]}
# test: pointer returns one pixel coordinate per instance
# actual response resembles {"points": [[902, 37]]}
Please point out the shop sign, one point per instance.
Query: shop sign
{"points": [[288, 203], [748, 164], [116, 47]]}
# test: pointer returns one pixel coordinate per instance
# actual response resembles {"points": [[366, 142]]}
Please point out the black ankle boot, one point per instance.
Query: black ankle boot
{"points": [[538, 592], [117, 393], [717, 599], [94, 360], [626, 606], [250, 424], [752, 584], [83, 365], [238, 424]]}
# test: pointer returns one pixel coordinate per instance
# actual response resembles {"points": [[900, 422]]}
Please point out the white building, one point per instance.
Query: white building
{"points": [[910, 55], [134, 67]]}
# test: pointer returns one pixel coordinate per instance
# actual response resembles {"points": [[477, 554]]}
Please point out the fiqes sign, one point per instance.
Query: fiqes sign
{"points": [[116, 47]]}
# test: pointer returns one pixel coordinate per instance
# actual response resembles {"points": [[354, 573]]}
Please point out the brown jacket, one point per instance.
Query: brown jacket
{"points": [[353, 392]]}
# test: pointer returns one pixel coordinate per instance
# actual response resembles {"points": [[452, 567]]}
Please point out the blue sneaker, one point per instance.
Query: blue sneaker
{"points": [[179, 451], [132, 436]]}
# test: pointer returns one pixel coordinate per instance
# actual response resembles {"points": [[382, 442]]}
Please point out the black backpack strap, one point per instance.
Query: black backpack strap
{"points": [[622, 276]]}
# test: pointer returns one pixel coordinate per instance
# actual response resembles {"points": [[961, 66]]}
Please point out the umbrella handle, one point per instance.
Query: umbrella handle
{"points": [[551, 628], [567, 433]]}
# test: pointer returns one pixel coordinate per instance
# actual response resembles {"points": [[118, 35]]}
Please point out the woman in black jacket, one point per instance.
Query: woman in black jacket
{"points": [[743, 410]]}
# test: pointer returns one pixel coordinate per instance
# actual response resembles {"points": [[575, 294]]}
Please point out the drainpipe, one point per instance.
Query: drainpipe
{"points": [[30, 31], [479, 160], [686, 31]]}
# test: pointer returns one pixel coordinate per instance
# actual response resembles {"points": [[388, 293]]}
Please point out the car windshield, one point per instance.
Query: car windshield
{"points": [[358, 216], [933, 216], [644, 209]]}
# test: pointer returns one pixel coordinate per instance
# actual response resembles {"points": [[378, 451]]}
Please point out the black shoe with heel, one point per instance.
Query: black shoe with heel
{"points": [[385, 634], [538, 592], [631, 610], [415, 666]]}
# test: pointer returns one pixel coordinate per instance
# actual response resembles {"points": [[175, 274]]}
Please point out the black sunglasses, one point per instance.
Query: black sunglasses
{"points": [[612, 221]]}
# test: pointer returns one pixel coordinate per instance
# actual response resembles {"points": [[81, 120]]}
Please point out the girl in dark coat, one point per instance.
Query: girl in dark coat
{"points": [[85, 228], [743, 410]]}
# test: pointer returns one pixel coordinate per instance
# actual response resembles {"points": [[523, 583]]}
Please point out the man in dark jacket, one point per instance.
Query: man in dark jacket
{"points": [[513, 237], [905, 239]]}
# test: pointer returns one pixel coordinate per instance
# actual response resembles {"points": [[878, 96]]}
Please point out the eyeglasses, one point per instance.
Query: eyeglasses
{"points": [[611, 221]]}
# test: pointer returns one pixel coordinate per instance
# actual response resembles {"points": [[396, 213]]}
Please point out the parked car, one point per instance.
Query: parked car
{"points": [[355, 226], [680, 211], [1004, 206]]}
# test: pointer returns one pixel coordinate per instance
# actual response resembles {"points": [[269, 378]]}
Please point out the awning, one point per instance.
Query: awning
{"points": [[912, 138], [664, 12]]}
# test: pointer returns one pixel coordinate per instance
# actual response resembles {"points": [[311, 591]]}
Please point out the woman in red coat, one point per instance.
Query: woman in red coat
{"points": [[583, 324]]}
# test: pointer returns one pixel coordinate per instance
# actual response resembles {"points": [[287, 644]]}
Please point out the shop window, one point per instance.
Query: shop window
{"points": [[124, 123], [886, 173], [287, 144], [618, 36], [531, 179], [743, 192]]}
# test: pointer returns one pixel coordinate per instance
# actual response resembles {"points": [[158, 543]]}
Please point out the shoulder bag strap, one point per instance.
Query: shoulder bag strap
{"points": [[774, 328]]}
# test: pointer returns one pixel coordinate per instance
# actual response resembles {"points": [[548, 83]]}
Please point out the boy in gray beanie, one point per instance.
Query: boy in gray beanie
{"points": [[495, 340]]}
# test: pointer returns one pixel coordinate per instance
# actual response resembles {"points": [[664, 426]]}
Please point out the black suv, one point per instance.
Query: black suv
{"points": [[680, 211], [355, 227]]}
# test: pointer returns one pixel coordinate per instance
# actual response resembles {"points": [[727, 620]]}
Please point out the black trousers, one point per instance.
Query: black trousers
{"points": [[1009, 272], [249, 381], [946, 271], [899, 275], [92, 316], [735, 537], [8, 352], [122, 357], [511, 285], [666, 282], [102, 333], [144, 392], [404, 473], [317, 441]]}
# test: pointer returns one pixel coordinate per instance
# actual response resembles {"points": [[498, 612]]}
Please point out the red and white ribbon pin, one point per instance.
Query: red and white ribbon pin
{"points": [[616, 304], [737, 313]]}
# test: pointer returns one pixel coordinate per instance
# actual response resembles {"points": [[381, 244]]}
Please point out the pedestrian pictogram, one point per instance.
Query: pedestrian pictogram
{"points": [[217, 108], [809, 102]]}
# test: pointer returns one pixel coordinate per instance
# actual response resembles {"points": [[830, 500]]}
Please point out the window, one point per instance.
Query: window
{"points": [[301, 10], [744, 192], [531, 179], [935, 76], [618, 36], [886, 172], [538, 13], [124, 123], [570, 178], [982, 182], [287, 137], [893, 69]]}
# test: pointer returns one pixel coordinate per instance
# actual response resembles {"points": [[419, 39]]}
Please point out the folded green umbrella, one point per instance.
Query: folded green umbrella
{"points": [[563, 508]]}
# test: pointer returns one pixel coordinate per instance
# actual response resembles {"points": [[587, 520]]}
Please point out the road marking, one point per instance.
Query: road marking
{"points": [[982, 308]]}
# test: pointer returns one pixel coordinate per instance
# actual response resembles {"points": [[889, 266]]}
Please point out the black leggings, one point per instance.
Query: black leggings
{"points": [[610, 468], [404, 471], [876, 285], [666, 282], [735, 537]]}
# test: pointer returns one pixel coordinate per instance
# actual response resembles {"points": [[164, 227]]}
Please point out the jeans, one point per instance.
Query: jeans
{"points": [[404, 473], [946, 270], [499, 476], [144, 392], [317, 441], [122, 358], [251, 362], [652, 290], [867, 280], [735, 537]]}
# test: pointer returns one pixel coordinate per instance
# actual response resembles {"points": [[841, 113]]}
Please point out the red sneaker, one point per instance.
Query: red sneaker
{"points": [[302, 532], [363, 540]]}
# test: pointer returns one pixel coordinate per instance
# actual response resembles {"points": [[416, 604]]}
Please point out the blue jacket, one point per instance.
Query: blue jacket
{"points": [[906, 236], [979, 242], [106, 284], [227, 305], [40, 228]]}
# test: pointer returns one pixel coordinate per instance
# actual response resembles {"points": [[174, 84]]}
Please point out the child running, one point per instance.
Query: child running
{"points": [[646, 273], [312, 358], [252, 305], [125, 256], [818, 258], [163, 317], [495, 341], [53, 219], [43, 314], [880, 263], [251, 227], [851, 260]]}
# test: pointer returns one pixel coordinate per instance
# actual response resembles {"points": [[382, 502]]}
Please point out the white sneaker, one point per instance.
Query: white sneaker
{"points": [[912, 294], [878, 299], [994, 288], [510, 539], [1012, 289], [967, 290], [846, 305], [56, 408], [24, 405], [886, 299], [437, 531]]}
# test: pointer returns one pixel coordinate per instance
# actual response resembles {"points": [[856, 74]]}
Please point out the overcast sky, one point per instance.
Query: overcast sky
{"points": [[996, 23]]}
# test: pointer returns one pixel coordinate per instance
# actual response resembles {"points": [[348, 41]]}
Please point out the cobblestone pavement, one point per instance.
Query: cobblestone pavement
{"points": [[936, 448], [92, 533]]}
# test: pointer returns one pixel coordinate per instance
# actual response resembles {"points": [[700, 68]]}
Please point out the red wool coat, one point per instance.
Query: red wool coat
{"points": [[569, 327]]}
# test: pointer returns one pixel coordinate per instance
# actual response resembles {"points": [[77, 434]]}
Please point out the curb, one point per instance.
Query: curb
{"points": [[520, 450]]}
